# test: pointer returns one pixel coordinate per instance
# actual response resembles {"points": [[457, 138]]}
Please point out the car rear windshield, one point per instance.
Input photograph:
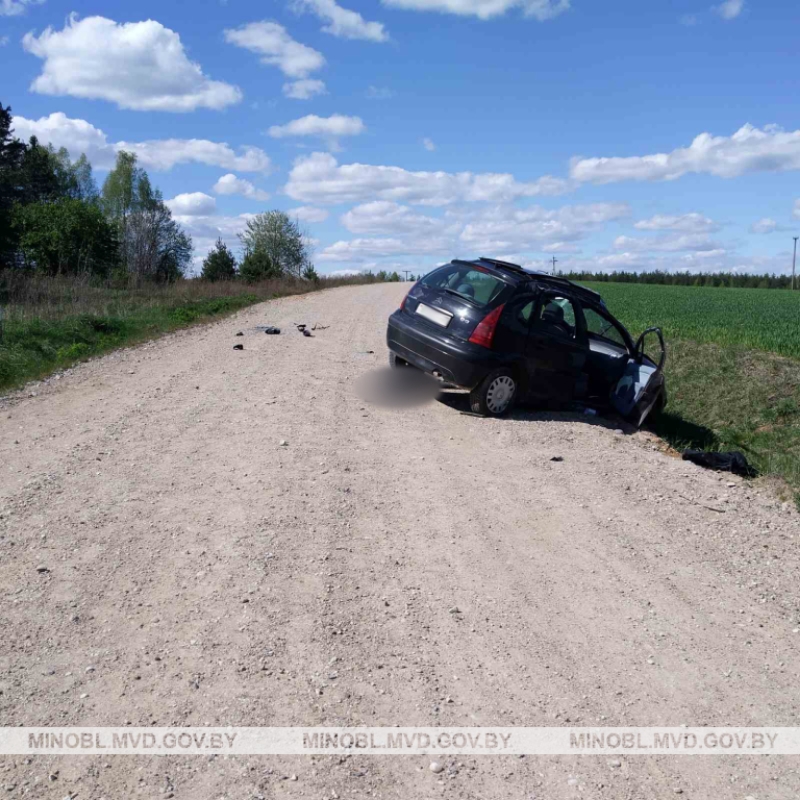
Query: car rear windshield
{"points": [[474, 285]]}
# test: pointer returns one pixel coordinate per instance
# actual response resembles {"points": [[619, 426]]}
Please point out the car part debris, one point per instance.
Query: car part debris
{"points": [[240, 334], [733, 461], [300, 326], [306, 332], [271, 330], [238, 347], [318, 327], [557, 458]]}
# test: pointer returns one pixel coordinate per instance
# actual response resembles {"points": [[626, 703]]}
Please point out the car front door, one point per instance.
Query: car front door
{"points": [[557, 348]]}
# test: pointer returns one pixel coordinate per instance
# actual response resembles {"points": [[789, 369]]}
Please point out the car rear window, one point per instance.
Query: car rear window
{"points": [[479, 287]]}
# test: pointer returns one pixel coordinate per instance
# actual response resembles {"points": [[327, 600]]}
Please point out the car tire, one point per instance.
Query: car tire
{"points": [[395, 362], [495, 395]]}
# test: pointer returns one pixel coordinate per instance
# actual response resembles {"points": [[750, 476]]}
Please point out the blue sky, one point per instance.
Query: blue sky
{"points": [[613, 134]]}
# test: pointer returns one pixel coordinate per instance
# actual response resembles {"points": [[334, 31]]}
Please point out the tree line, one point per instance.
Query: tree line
{"points": [[274, 246], [739, 280], [55, 221]]}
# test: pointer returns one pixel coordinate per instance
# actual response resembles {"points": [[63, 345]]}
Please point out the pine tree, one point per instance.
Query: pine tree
{"points": [[219, 264]]}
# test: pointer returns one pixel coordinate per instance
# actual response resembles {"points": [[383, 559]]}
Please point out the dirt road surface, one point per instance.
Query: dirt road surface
{"points": [[166, 561]]}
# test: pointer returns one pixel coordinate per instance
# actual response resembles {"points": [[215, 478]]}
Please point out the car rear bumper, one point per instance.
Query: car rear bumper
{"points": [[461, 364]]}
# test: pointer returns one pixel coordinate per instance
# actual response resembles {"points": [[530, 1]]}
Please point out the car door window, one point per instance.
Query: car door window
{"points": [[557, 317], [525, 313], [600, 326]]}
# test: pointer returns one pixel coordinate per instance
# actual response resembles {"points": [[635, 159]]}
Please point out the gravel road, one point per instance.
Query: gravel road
{"points": [[165, 560]]}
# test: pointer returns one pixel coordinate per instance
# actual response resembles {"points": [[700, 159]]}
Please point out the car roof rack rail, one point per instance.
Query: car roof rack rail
{"points": [[507, 264]]}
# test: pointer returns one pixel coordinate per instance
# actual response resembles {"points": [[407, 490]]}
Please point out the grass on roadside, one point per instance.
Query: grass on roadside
{"points": [[733, 369], [51, 324]]}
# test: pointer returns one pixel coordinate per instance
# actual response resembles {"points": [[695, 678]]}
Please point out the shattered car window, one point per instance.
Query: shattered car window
{"points": [[599, 326], [479, 287]]}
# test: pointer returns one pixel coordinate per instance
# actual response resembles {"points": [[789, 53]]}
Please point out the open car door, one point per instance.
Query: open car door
{"points": [[642, 383]]}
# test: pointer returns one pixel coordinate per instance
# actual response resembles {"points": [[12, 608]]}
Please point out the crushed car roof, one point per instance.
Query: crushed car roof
{"points": [[540, 277]]}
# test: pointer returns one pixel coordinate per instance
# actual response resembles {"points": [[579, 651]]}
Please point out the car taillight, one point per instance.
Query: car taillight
{"points": [[403, 303], [484, 332]]}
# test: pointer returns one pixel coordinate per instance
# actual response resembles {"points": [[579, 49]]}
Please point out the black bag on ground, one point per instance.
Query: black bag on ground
{"points": [[733, 462]]}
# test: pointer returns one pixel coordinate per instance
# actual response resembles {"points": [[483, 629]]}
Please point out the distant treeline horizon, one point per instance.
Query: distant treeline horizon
{"points": [[725, 280]]}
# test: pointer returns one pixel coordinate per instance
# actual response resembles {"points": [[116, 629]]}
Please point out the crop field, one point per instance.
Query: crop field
{"points": [[733, 369], [759, 319]]}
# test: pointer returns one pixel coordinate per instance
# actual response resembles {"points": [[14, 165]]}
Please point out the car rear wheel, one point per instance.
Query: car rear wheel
{"points": [[495, 395]]}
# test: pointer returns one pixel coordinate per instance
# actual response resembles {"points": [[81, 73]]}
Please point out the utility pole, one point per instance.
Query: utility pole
{"points": [[406, 271], [555, 261], [794, 260]]}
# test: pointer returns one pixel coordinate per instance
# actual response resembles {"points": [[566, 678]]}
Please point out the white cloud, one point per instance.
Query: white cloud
{"points": [[331, 127], [534, 228], [194, 204], [379, 93], [670, 243], [277, 48], [428, 144], [730, 9], [765, 225], [498, 229], [384, 216], [231, 184], [13, 8], [4, 40], [796, 211], [79, 136], [308, 214], [319, 178], [750, 149], [357, 250], [689, 223], [136, 65], [343, 22], [486, 9], [304, 89], [164, 154]]}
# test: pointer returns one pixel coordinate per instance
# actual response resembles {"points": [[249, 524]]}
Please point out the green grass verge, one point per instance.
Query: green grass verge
{"points": [[733, 370], [34, 348]]}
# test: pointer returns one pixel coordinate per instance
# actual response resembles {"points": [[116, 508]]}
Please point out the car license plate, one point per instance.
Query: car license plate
{"points": [[434, 315]]}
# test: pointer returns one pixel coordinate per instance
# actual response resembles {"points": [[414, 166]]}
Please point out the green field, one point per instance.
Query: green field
{"points": [[761, 319], [733, 371]]}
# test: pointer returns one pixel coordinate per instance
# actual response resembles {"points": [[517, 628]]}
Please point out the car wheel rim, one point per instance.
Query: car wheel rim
{"points": [[501, 391]]}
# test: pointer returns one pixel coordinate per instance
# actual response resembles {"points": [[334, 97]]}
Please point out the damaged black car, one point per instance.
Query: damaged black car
{"points": [[508, 335]]}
